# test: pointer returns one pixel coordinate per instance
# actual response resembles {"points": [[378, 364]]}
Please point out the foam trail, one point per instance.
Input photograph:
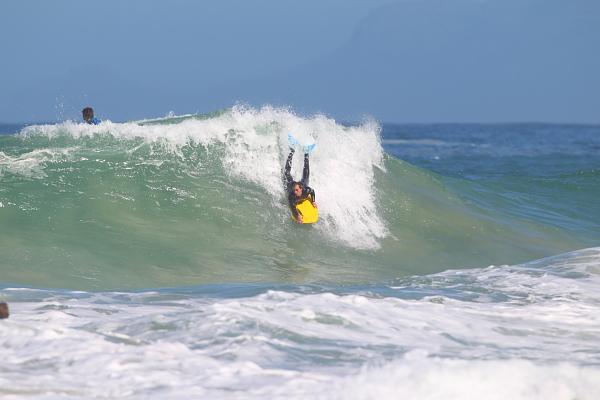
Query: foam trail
{"points": [[31, 164]]}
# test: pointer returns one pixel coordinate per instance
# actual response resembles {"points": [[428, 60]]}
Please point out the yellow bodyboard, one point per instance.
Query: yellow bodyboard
{"points": [[309, 213]]}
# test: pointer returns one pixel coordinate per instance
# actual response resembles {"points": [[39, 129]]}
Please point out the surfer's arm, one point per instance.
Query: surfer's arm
{"points": [[305, 171], [312, 197], [293, 209], [288, 167]]}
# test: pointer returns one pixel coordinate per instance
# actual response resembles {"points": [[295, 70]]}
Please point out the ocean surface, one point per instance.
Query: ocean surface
{"points": [[157, 259]]}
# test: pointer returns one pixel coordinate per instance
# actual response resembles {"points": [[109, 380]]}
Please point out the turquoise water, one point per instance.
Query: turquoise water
{"points": [[157, 259], [198, 200]]}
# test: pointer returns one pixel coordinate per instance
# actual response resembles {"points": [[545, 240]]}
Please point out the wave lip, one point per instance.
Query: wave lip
{"points": [[254, 148]]}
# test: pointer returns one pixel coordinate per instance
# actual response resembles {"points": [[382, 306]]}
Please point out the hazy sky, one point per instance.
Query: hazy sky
{"points": [[398, 61]]}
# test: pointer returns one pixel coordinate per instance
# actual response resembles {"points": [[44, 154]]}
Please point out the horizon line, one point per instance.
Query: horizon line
{"points": [[345, 122]]}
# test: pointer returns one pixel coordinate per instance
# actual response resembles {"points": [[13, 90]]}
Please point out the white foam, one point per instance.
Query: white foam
{"points": [[255, 142], [421, 377], [289, 345], [526, 332], [32, 163]]}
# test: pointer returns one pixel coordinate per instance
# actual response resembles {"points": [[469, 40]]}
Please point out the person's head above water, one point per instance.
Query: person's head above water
{"points": [[297, 189], [4, 311], [88, 114]]}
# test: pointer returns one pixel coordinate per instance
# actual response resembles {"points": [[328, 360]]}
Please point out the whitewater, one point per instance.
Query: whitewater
{"points": [[158, 259]]}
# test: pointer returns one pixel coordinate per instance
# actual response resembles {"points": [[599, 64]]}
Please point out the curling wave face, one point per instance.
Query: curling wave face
{"points": [[199, 199]]}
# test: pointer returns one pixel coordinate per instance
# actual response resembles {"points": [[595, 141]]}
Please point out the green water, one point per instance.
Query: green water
{"points": [[106, 212]]}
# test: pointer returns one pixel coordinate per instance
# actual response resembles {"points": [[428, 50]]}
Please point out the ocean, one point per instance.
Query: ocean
{"points": [[158, 259]]}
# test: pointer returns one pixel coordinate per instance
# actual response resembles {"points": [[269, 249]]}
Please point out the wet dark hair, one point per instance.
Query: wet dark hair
{"points": [[299, 184], [87, 111]]}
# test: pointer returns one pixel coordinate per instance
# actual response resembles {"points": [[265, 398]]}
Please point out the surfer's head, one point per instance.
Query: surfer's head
{"points": [[297, 188], [88, 114]]}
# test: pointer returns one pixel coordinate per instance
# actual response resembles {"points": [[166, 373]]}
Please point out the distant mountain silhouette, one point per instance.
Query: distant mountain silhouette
{"points": [[462, 60]]}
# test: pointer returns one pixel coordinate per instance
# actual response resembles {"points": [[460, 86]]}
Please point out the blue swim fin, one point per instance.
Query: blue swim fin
{"points": [[292, 141], [309, 148]]}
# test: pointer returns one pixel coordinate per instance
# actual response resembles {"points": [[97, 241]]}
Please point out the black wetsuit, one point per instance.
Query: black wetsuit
{"points": [[307, 192]]}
